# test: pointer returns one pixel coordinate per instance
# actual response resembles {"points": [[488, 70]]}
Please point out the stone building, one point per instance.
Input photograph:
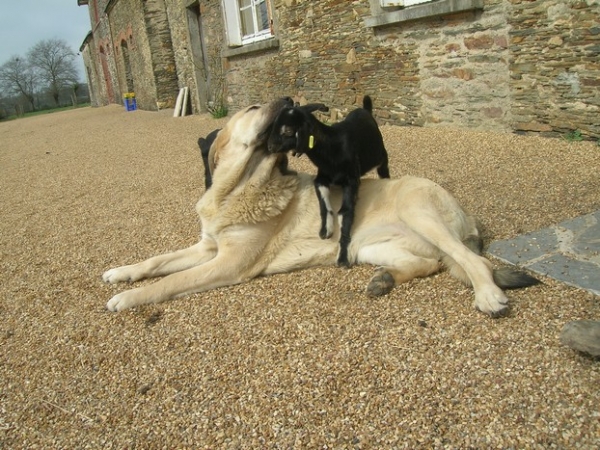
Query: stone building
{"points": [[520, 65]]}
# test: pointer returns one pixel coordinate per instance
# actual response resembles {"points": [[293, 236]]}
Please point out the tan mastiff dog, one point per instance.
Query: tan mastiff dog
{"points": [[258, 219]]}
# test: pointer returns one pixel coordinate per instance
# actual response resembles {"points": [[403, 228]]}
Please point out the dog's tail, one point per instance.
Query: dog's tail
{"points": [[504, 277], [368, 103], [508, 278]]}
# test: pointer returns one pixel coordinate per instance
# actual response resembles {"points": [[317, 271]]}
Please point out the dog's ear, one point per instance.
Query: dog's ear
{"points": [[221, 141], [205, 144], [204, 150]]}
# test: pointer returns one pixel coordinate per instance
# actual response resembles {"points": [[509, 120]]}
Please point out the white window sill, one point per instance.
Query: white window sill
{"points": [[381, 17], [259, 46]]}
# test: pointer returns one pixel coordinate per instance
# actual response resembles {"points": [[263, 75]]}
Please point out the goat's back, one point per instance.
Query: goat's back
{"points": [[362, 137]]}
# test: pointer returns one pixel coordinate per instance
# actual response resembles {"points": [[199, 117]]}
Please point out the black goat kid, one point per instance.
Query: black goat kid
{"points": [[342, 152]]}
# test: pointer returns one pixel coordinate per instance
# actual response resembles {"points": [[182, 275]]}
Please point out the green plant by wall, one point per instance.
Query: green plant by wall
{"points": [[573, 136], [217, 110]]}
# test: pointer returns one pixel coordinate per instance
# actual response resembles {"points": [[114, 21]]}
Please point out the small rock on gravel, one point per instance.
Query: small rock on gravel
{"points": [[582, 335]]}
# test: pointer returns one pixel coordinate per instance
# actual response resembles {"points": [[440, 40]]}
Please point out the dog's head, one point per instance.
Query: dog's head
{"points": [[293, 128], [245, 133]]}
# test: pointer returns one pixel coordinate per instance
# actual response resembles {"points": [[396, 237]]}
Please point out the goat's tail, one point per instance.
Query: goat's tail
{"points": [[368, 103]]}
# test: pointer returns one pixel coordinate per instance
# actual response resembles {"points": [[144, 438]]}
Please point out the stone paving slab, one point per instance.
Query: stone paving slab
{"points": [[568, 252]]}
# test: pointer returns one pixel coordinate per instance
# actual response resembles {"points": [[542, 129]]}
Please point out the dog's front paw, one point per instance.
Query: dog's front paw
{"points": [[121, 301], [111, 276], [118, 275], [492, 301]]}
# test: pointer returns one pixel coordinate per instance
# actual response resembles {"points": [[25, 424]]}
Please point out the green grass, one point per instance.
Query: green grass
{"points": [[46, 111]]}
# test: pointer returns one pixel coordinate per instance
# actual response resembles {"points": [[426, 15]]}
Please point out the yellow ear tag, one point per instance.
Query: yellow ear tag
{"points": [[311, 141]]}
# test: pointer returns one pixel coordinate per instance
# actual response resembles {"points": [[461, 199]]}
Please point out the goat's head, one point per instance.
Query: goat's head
{"points": [[293, 129]]}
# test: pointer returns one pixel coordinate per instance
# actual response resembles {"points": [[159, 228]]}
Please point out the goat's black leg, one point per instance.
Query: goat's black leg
{"points": [[322, 189], [346, 213], [383, 170]]}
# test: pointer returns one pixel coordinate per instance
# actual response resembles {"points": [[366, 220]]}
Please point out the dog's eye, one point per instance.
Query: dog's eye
{"points": [[251, 108]]}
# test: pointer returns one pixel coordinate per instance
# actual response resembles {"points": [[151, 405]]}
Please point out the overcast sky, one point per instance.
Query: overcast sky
{"points": [[23, 23]]}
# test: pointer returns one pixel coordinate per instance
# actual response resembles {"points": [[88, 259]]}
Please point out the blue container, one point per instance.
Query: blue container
{"points": [[130, 104]]}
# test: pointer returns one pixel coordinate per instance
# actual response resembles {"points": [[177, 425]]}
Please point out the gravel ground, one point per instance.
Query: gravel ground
{"points": [[300, 360]]}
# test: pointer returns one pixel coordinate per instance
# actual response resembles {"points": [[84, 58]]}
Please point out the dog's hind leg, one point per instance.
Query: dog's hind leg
{"points": [[398, 265], [504, 277], [489, 298]]}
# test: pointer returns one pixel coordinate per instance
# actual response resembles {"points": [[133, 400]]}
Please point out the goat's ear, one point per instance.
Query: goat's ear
{"points": [[312, 107]]}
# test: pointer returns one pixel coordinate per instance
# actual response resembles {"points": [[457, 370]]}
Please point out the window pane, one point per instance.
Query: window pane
{"points": [[247, 22], [262, 17], [245, 3]]}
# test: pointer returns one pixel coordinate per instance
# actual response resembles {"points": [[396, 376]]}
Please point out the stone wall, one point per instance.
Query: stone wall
{"points": [[133, 51], [512, 65], [555, 65], [197, 27], [91, 64], [182, 55], [101, 63], [509, 65], [160, 45], [127, 27]]}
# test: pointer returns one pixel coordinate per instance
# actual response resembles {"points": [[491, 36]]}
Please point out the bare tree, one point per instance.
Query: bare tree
{"points": [[19, 77], [55, 62]]}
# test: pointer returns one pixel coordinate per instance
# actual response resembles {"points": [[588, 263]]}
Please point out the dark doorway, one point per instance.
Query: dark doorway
{"points": [[127, 66], [107, 83], [199, 57]]}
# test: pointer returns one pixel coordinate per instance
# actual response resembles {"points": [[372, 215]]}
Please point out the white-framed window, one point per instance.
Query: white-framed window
{"points": [[389, 12], [247, 21], [403, 3]]}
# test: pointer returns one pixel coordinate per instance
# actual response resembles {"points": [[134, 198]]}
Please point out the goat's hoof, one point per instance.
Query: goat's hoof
{"points": [[344, 263], [324, 234], [342, 259], [382, 283]]}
